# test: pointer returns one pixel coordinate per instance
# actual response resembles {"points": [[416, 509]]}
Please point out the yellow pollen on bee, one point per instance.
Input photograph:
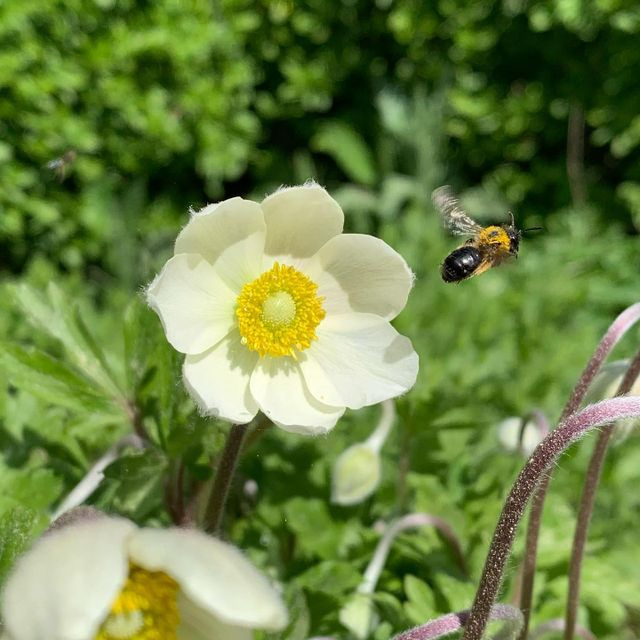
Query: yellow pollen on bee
{"points": [[494, 235], [279, 311], [145, 608]]}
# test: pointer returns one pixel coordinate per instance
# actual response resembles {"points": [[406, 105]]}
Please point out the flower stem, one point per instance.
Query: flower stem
{"points": [[452, 622], [372, 573], [613, 335], [586, 505], [380, 433], [220, 489], [538, 465], [95, 475]]}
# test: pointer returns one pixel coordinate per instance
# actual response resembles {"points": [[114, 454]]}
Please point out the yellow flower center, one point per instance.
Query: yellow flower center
{"points": [[279, 311], [145, 609]]}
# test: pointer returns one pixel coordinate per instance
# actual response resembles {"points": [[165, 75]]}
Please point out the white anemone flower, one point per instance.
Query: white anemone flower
{"points": [[106, 579], [278, 311]]}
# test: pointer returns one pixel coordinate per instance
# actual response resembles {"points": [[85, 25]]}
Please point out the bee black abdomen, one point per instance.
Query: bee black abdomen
{"points": [[460, 264]]}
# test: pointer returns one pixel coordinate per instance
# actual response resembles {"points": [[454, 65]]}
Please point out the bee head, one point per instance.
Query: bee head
{"points": [[514, 239], [514, 235]]}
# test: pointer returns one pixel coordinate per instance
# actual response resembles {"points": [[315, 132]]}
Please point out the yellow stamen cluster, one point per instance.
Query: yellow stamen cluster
{"points": [[145, 609], [279, 311]]}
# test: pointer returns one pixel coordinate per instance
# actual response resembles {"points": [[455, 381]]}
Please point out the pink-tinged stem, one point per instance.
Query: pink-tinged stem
{"points": [[452, 622], [587, 502], [411, 521], [537, 467], [616, 331], [614, 334]]}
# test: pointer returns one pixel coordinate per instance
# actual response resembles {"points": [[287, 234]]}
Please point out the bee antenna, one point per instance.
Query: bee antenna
{"points": [[532, 229]]}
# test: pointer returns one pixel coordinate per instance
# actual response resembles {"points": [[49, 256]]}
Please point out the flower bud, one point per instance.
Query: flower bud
{"points": [[356, 474]]}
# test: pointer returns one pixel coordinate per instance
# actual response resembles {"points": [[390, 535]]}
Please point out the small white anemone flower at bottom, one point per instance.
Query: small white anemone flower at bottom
{"points": [[107, 579]]}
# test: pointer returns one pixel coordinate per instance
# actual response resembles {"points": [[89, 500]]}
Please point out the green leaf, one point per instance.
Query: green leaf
{"points": [[459, 594], [348, 149], [35, 488], [420, 605], [60, 318], [136, 467], [140, 335], [53, 381], [18, 527], [331, 577], [317, 533], [98, 354]]}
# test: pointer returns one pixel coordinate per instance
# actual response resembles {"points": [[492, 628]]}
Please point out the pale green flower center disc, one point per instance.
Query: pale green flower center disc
{"points": [[279, 311], [145, 609]]}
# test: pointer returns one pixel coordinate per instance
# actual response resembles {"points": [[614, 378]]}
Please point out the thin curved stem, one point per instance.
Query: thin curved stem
{"points": [[613, 335], [386, 421], [537, 467], [452, 622], [226, 468], [587, 502], [95, 475], [411, 521]]}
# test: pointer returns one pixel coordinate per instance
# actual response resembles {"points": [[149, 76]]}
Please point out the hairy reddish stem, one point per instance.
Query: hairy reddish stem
{"points": [[587, 502], [613, 335], [538, 465], [447, 624]]}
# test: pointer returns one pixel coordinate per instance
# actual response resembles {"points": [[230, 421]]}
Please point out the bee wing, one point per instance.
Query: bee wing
{"points": [[455, 219]]}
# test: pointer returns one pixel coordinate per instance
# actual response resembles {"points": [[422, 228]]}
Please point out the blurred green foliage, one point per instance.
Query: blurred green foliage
{"points": [[108, 110], [118, 116]]}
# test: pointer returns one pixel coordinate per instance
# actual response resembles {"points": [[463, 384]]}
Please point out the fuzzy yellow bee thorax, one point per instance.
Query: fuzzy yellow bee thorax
{"points": [[494, 235]]}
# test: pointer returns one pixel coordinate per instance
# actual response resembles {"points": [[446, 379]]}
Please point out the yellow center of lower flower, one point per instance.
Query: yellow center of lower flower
{"points": [[278, 312], [145, 609]]}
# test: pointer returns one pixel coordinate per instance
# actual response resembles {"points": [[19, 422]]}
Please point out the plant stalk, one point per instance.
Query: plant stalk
{"points": [[452, 622], [616, 331], [220, 490], [587, 502], [538, 465]]}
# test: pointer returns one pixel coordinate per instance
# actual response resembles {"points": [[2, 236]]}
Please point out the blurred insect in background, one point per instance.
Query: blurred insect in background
{"points": [[488, 246], [59, 166]]}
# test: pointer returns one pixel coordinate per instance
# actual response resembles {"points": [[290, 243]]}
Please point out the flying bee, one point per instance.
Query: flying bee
{"points": [[59, 166], [488, 246]]}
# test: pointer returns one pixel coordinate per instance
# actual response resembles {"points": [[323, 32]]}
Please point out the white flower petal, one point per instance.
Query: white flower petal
{"points": [[64, 586], [360, 273], [218, 380], [198, 624], [217, 227], [362, 357], [280, 391], [300, 220], [211, 573], [195, 306], [509, 435]]}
